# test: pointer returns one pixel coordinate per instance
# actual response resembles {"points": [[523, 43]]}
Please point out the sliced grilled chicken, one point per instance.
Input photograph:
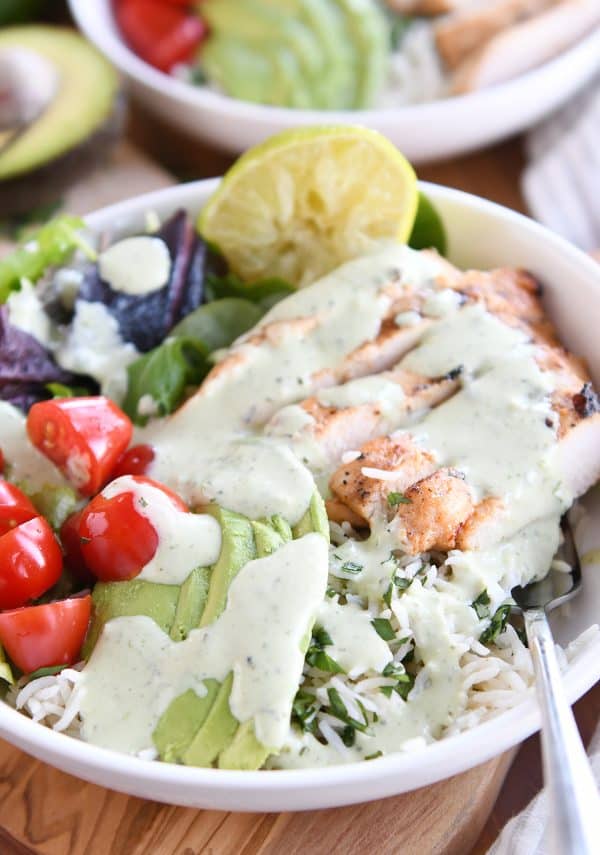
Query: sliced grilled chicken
{"points": [[527, 45], [395, 465], [386, 466], [333, 429], [459, 35], [434, 512]]}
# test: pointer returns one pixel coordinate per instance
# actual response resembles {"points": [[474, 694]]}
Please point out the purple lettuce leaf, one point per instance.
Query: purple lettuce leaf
{"points": [[145, 320]]}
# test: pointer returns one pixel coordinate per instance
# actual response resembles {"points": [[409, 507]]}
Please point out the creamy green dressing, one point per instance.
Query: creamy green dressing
{"points": [[136, 670], [185, 540], [206, 451], [25, 464], [356, 647]]}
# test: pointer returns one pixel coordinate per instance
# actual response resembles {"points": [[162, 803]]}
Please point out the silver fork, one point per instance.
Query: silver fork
{"points": [[573, 800]]}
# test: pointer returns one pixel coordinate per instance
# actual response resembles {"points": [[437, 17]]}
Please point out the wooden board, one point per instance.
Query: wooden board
{"points": [[46, 812]]}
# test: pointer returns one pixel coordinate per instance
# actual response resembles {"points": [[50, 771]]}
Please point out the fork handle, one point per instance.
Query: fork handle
{"points": [[573, 800]]}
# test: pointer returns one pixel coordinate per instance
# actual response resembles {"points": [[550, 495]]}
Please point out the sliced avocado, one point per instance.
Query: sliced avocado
{"points": [[335, 85], [266, 538], [291, 48], [216, 732], [179, 724], [125, 599], [244, 751], [281, 526], [315, 519], [368, 30], [238, 68], [82, 103], [191, 602], [237, 549]]}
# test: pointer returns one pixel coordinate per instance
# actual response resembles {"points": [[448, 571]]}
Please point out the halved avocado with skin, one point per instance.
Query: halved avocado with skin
{"points": [[81, 120]]}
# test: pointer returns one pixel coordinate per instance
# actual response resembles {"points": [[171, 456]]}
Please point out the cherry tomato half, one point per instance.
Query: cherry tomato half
{"points": [[30, 562], [135, 461], [117, 541], [15, 507], [162, 33], [71, 544], [84, 437], [51, 634]]}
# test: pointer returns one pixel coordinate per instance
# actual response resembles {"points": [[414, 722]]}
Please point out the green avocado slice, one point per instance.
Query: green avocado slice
{"points": [[179, 724], [368, 31], [314, 519], [216, 731], [82, 103], [126, 599], [191, 602]]}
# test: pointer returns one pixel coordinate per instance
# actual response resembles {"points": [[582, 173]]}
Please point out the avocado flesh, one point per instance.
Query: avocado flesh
{"points": [[368, 31], [267, 539], [281, 526], [245, 751], [291, 49], [178, 726], [314, 519], [216, 731], [185, 716], [335, 85], [191, 602], [126, 599], [84, 100]]}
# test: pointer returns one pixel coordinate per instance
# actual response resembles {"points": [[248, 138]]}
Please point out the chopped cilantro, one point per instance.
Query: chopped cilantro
{"points": [[393, 669], [481, 605], [402, 583], [497, 625], [303, 711], [330, 592], [397, 499], [387, 597], [383, 628], [316, 656], [352, 567], [374, 756], [337, 708]]}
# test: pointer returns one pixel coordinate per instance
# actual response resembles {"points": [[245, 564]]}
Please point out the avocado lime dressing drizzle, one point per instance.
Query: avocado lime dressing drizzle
{"points": [[25, 464], [135, 670], [209, 448], [498, 430]]}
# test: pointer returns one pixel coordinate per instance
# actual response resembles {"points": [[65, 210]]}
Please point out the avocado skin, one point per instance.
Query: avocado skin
{"points": [[81, 105], [125, 599], [46, 185]]}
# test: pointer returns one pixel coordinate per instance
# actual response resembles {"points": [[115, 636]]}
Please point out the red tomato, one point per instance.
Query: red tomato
{"points": [[15, 507], [161, 32], [116, 540], [1, 461], [135, 461], [84, 437], [30, 562], [52, 634], [71, 544]]}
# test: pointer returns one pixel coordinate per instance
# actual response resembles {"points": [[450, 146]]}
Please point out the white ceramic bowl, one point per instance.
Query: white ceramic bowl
{"points": [[423, 132], [481, 234]]}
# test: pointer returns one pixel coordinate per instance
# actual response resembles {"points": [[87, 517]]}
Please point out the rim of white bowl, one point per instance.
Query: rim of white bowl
{"points": [[396, 772], [125, 59]]}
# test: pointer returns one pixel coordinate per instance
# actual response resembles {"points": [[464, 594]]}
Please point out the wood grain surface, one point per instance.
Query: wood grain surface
{"points": [[46, 812]]}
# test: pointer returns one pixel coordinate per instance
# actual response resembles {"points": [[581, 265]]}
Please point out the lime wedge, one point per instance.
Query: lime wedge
{"points": [[305, 201]]}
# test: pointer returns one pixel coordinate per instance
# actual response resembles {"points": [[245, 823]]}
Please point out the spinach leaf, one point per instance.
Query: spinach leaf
{"points": [[49, 245], [219, 323], [428, 231], [163, 374], [265, 293]]}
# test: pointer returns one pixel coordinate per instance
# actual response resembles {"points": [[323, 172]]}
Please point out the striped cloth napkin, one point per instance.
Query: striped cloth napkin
{"points": [[525, 833], [561, 185]]}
